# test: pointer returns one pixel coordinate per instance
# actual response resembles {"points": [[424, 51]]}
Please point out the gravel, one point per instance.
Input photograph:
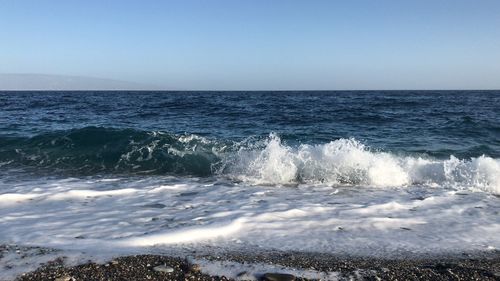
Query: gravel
{"points": [[141, 267]]}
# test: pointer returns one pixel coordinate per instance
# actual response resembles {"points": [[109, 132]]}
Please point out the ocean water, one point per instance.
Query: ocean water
{"points": [[351, 172]]}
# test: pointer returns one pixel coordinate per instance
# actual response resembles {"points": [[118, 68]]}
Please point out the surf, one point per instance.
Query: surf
{"points": [[255, 160]]}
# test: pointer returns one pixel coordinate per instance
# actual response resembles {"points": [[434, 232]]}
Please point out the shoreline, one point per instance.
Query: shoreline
{"points": [[253, 266]]}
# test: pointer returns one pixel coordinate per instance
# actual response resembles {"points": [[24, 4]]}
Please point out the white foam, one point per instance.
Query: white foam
{"points": [[145, 212], [197, 234], [254, 271], [349, 162], [13, 198], [86, 193], [103, 217]]}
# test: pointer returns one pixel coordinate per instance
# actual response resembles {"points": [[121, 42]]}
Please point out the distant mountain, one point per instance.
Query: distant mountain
{"points": [[61, 82]]}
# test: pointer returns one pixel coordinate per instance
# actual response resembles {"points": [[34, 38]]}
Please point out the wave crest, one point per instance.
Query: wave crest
{"points": [[349, 162], [96, 149], [266, 161]]}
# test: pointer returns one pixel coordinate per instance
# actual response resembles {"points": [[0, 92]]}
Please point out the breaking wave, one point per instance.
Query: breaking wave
{"points": [[96, 149], [266, 161], [349, 162]]}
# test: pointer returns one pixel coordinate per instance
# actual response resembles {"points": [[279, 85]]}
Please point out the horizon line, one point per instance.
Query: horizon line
{"points": [[240, 90]]}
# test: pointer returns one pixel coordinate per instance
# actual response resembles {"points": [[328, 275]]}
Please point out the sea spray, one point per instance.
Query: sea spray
{"points": [[349, 162]]}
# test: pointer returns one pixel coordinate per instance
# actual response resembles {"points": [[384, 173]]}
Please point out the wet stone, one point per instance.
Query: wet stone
{"points": [[244, 275], [278, 277], [163, 268], [155, 206], [188, 194], [195, 268], [241, 274], [64, 278]]}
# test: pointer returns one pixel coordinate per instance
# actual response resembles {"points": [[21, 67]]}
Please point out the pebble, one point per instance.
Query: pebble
{"points": [[244, 275], [163, 268], [278, 277], [64, 278], [195, 268], [132, 267], [155, 206]]}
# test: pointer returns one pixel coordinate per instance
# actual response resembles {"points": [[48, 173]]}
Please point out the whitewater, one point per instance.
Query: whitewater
{"points": [[274, 197]]}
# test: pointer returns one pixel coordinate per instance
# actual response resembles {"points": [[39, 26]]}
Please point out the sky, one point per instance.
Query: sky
{"points": [[254, 45]]}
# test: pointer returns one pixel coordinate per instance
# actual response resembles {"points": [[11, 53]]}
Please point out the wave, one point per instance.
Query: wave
{"points": [[96, 149], [349, 162], [266, 161]]}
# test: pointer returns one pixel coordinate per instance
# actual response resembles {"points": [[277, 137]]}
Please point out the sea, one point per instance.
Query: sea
{"points": [[366, 173]]}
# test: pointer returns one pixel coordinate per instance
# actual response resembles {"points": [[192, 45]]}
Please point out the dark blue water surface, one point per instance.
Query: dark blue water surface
{"points": [[94, 131]]}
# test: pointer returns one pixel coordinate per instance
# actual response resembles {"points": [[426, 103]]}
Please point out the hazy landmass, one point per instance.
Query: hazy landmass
{"points": [[62, 82]]}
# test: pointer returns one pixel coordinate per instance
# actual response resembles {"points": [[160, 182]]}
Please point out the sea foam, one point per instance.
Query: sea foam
{"points": [[349, 162]]}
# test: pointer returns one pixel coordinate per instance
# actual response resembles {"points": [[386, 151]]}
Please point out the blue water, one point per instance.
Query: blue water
{"points": [[199, 133]]}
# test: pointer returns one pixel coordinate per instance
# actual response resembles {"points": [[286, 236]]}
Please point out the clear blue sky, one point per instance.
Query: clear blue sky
{"points": [[255, 45]]}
